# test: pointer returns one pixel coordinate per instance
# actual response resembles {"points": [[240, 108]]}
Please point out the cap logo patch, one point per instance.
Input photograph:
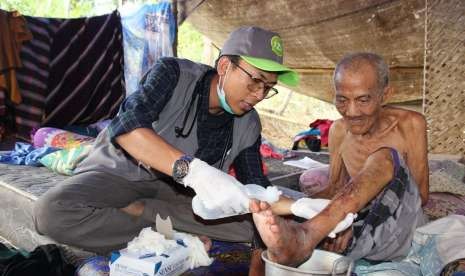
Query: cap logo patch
{"points": [[277, 45]]}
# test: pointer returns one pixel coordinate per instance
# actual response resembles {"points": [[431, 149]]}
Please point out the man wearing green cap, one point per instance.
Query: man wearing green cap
{"points": [[187, 122]]}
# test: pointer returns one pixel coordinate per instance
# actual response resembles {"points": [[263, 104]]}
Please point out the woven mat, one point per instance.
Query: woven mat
{"points": [[230, 259], [442, 204]]}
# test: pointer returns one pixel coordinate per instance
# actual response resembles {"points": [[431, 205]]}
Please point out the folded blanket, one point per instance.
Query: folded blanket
{"points": [[26, 154]]}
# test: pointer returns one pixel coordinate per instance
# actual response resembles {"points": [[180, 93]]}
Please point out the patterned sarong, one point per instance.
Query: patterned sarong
{"points": [[384, 228]]}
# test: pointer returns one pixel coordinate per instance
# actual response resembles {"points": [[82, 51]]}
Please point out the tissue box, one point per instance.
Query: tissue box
{"points": [[173, 262]]}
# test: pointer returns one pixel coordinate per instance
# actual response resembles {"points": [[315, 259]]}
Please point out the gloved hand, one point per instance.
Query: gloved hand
{"points": [[309, 207], [216, 189], [270, 194]]}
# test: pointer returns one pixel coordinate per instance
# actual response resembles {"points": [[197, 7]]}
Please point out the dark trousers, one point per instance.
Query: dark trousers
{"points": [[84, 211]]}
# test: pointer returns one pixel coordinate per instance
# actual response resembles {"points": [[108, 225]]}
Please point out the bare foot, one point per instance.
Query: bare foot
{"points": [[287, 242], [134, 209], [207, 243]]}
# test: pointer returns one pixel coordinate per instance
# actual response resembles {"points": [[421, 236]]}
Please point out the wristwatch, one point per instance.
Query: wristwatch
{"points": [[181, 167]]}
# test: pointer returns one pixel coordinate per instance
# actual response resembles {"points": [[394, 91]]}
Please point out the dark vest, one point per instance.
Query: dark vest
{"points": [[109, 158]]}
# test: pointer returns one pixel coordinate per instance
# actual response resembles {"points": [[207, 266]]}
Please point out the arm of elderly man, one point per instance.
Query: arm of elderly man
{"points": [[289, 242], [412, 125]]}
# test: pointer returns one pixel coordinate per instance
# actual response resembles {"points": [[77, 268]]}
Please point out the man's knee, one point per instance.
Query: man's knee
{"points": [[48, 218], [314, 180]]}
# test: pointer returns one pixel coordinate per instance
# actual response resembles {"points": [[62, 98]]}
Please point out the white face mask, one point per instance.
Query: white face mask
{"points": [[221, 94]]}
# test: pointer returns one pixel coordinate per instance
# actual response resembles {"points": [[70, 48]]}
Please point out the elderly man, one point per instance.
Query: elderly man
{"points": [[187, 122], [378, 169]]}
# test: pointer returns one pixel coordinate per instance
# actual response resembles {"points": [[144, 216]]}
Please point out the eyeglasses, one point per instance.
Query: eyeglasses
{"points": [[258, 84]]}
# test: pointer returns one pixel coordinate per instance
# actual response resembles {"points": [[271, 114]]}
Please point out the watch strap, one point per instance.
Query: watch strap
{"points": [[181, 167], [187, 157]]}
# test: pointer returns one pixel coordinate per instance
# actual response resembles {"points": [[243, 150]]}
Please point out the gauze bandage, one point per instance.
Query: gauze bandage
{"points": [[198, 255], [150, 242], [309, 207], [270, 194]]}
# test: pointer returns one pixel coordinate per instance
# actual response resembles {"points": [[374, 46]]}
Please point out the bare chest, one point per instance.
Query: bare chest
{"points": [[355, 150]]}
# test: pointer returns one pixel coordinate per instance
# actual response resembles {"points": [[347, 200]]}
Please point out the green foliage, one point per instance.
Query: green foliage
{"points": [[81, 8], [24, 6], [190, 42], [50, 8]]}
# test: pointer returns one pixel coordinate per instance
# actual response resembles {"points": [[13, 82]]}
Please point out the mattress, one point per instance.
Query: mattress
{"points": [[20, 186]]}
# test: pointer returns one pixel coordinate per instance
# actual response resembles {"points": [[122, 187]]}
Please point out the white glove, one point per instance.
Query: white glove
{"points": [[309, 207], [216, 189], [270, 194]]}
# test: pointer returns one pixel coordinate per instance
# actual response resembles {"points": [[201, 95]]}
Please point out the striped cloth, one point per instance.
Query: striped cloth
{"points": [[86, 71], [72, 72], [2, 105], [32, 77]]}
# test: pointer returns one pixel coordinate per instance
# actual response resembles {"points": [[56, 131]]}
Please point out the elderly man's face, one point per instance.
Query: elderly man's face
{"points": [[358, 99]]}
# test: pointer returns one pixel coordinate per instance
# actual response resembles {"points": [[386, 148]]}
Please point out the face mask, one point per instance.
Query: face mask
{"points": [[221, 94]]}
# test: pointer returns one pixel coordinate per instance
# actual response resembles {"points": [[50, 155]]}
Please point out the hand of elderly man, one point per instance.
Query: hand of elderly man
{"points": [[309, 207], [340, 243], [216, 189]]}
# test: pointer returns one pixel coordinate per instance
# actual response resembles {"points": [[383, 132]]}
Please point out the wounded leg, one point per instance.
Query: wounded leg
{"points": [[287, 242]]}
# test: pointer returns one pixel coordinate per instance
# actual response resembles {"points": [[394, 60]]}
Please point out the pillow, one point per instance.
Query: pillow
{"points": [[59, 138], [65, 161]]}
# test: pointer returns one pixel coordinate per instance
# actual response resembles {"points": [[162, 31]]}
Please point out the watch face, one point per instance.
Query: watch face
{"points": [[180, 169]]}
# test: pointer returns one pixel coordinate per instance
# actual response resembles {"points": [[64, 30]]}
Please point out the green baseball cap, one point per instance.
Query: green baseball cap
{"points": [[262, 49]]}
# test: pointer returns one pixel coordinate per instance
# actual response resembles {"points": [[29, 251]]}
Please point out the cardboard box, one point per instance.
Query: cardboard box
{"points": [[174, 261]]}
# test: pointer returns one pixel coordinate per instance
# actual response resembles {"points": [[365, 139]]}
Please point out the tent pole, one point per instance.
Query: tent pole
{"points": [[174, 4]]}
